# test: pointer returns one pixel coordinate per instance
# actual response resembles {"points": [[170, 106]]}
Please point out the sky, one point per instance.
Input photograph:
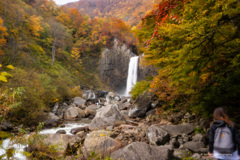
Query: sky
{"points": [[61, 2]]}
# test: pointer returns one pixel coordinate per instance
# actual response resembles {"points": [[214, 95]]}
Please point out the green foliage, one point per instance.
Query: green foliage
{"points": [[139, 88]]}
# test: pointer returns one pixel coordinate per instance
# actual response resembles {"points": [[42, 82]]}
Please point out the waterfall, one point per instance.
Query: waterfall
{"points": [[132, 74]]}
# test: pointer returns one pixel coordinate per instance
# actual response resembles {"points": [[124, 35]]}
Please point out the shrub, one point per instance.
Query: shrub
{"points": [[139, 88]]}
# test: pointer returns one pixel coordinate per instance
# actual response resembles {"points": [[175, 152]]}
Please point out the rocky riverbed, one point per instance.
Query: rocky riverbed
{"points": [[120, 128]]}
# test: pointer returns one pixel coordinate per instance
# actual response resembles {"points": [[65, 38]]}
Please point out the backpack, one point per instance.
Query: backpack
{"points": [[223, 140]]}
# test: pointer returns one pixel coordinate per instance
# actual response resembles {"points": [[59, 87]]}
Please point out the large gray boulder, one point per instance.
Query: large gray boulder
{"points": [[73, 112], [79, 101], [157, 135], [107, 116], [100, 143], [112, 98], [142, 151], [51, 120], [180, 129], [194, 146], [141, 105]]}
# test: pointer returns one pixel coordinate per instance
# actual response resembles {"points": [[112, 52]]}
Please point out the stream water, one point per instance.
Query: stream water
{"points": [[20, 148]]}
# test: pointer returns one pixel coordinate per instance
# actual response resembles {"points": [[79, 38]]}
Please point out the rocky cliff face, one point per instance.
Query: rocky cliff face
{"points": [[113, 65], [145, 71]]}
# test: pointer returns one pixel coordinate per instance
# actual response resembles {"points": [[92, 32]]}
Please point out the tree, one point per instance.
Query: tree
{"points": [[197, 47], [59, 35]]}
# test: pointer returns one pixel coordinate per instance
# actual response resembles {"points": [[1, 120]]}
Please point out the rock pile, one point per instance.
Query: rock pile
{"points": [[113, 131]]}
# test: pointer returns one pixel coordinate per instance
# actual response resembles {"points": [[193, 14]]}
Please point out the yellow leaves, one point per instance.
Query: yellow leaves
{"points": [[75, 53], [205, 77], [3, 78], [10, 66], [4, 75]]}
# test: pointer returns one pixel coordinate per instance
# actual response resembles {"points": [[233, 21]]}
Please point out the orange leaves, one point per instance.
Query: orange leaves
{"points": [[3, 34], [34, 26]]}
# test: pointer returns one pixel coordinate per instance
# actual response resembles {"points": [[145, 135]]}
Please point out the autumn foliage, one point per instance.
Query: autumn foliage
{"points": [[196, 46]]}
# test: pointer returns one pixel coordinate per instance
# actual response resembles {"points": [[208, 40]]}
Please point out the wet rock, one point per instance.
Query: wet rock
{"points": [[107, 116], [76, 130], [142, 151], [61, 132], [157, 135]]}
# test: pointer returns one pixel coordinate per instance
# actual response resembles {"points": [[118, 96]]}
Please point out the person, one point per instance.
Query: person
{"points": [[220, 121]]}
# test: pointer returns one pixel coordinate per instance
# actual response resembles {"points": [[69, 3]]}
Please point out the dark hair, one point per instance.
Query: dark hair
{"points": [[220, 114]]}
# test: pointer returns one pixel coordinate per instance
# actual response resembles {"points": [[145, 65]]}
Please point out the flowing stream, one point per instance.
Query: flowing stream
{"points": [[20, 148], [132, 74]]}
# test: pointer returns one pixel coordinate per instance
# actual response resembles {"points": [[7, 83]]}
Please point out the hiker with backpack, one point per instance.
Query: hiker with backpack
{"points": [[224, 140]]}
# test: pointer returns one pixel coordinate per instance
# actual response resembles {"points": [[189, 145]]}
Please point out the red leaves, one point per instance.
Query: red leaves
{"points": [[162, 13]]}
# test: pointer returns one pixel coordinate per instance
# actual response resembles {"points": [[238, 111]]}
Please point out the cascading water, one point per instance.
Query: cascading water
{"points": [[132, 74]]}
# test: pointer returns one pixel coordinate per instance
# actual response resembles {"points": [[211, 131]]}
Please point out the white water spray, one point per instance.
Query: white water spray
{"points": [[132, 74]]}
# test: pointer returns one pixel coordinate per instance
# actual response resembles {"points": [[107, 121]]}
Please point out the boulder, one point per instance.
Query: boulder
{"points": [[198, 137], [141, 105], [194, 146], [112, 98], [50, 119], [107, 116], [157, 135], [100, 143], [55, 108], [89, 112], [180, 129], [79, 129], [93, 107], [89, 95], [102, 94], [142, 151], [73, 112], [179, 153], [79, 101], [48, 141], [61, 131]]}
